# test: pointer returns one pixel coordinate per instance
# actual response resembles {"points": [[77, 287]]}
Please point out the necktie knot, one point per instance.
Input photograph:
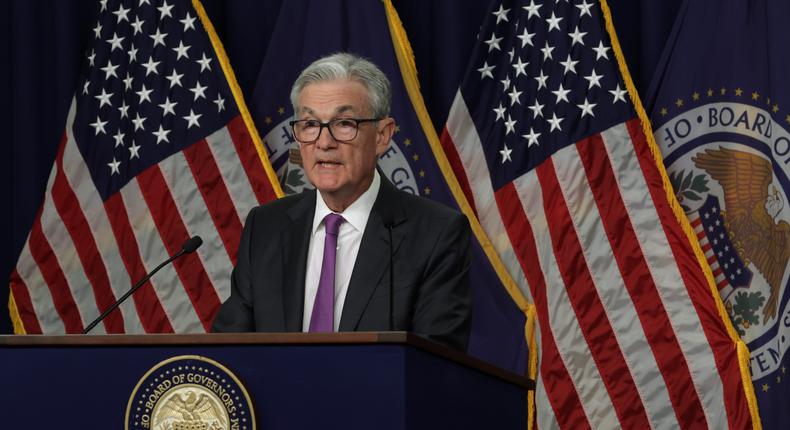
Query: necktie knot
{"points": [[332, 223]]}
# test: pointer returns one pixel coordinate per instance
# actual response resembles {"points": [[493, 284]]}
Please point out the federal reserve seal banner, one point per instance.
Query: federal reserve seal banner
{"points": [[189, 392], [721, 114]]}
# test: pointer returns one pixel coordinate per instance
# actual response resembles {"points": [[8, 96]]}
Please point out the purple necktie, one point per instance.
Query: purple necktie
{"points": [[322, 319]]}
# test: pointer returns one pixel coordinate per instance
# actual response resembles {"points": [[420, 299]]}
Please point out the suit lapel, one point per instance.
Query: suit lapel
{"points": [[296, 241], [373, 257]]}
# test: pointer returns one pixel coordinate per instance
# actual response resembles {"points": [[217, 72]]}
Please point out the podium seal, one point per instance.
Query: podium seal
{"points": [[189, 392]]}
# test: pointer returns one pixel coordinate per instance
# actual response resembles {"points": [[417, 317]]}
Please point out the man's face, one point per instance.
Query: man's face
{"points": [[341, 171]]}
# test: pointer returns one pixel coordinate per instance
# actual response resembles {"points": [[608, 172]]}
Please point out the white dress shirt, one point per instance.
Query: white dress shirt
{"points": [[348, 241]]}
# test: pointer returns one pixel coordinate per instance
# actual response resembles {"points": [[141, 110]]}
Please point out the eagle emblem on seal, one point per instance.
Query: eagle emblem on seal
{"points": [[187, 409], [751, 213]]}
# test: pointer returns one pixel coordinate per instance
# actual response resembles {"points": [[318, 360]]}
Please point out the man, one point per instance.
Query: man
{"points": [[320, 261]]}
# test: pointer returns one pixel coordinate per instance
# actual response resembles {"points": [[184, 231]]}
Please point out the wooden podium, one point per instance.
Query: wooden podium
{"points": [[367, 380]]}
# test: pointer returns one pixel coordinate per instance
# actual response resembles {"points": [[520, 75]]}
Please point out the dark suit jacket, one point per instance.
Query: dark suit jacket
{"points": [[431, 259]]}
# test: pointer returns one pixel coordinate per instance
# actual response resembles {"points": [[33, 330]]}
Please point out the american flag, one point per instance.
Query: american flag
{"points": [[551, 152], [157, 147], [729, 271]]}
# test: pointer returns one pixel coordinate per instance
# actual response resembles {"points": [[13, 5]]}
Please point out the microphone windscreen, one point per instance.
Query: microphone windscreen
{"points": [[192, 244]]}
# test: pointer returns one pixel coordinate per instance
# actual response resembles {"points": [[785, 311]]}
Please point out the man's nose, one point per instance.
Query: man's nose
{"points": [[325, 140]]}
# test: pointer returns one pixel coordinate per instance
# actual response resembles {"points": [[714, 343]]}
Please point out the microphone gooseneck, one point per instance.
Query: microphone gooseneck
{"points": [[187, 248], [392, 281]]}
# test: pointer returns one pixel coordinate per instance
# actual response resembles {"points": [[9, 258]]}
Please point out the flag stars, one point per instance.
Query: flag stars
{"points": [[220, 102], [137, 25], [151, 65], [132, 52], [553, 22], [165, 10], [92, 57], [600, 51], [519, 66], [98, 126], [188, 21], [510, 125], [103, 4], [541, 78], [158, 37], [619, 95], [506, 154], [204, 63], [493, 43], [505, 83], [109, 70], [526, 38], [192, 119], [485, 71], [127, 82], [181, 50], [514, 96], [532, 137], [85, 87], [199, 91], [124, 109], [577, 37], [161, 135], [555, 122], [584, 8], [501, 14], [97, 30], [175, 78], [138, 122], [168, 107], [134, 151], [122, 14], [104, 98], [562, 94], [144, 94], [532, 9], [547, 51], [594, 80], [118, 138], [569, 64], [587, 108], [500, 112], [114, 167], [537, 109]]}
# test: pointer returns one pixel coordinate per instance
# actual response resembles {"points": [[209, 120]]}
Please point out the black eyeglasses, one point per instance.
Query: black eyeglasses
{"points": [[341, 129]]}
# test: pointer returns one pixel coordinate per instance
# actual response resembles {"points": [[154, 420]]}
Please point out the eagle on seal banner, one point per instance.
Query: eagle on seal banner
{"points": [[188, 411], [750, 214]]}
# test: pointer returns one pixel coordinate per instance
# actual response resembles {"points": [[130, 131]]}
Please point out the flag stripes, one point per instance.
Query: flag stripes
{"points": [[461, 134], [637, 279], [642, 350], [227, 224], [153, 308]]}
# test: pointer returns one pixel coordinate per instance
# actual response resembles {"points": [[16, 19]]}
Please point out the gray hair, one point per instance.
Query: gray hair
{"points": [[347, 66]]}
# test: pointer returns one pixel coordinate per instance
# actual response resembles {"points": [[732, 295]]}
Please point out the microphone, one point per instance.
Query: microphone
{"points": [[389, 223], [188, 247]]}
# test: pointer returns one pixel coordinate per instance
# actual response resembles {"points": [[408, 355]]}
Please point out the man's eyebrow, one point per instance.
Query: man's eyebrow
{"points": [[339, 110]]}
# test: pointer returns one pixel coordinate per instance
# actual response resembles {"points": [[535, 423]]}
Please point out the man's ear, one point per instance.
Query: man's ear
{"points": [[386, 129]]}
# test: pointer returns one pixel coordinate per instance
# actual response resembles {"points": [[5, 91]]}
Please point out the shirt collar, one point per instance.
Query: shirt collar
{"points": [[357, 213]]}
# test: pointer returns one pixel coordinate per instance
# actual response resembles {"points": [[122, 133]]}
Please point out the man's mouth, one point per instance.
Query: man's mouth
{"points": [[327, 163]]}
